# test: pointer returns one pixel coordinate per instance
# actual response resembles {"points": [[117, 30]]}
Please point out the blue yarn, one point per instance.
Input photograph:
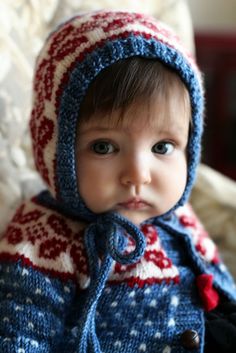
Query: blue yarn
{"points": [[80, 78], [105, 227]]}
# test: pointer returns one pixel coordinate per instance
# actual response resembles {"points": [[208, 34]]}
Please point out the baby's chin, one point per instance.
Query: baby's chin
{"points": [[138, 217]]}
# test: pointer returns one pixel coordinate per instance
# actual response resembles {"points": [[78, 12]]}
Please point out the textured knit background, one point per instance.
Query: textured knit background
{"points": [[24, 25]]}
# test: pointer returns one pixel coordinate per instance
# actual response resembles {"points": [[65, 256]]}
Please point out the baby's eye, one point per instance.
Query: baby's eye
{"points": [[163, 147], [103, 147]]}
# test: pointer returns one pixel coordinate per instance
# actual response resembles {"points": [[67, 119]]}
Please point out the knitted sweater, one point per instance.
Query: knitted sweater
{"points": [[143, 307]]}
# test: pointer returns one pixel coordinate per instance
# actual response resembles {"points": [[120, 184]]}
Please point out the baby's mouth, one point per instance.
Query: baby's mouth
{"points": [[135, 203]]}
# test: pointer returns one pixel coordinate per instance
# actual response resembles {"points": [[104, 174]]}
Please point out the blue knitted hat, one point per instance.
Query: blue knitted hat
{"points": [[71, 58]]}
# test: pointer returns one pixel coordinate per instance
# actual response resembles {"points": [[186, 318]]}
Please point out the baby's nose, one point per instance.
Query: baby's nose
{"points": [[136, 172]]}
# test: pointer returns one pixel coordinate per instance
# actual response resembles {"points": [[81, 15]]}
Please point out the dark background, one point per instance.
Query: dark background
{"points": [[216, 56]]}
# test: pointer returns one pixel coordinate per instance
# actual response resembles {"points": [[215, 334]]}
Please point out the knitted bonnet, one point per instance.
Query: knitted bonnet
{"points": [[73, 55]]}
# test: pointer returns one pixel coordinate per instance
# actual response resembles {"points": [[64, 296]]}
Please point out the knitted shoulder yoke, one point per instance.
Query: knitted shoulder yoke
{"points": [[71, 58]]}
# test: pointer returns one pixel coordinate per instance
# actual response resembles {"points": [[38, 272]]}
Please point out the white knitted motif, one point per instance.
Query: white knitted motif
{"points": [[203, 243]]}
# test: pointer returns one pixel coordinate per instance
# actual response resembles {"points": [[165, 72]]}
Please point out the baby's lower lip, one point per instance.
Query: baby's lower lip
{"points": [[133, 205]]}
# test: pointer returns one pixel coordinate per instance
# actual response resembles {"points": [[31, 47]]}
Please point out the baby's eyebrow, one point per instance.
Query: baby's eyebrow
{"points": [[174, 129], [97, 129], [172, 126]]}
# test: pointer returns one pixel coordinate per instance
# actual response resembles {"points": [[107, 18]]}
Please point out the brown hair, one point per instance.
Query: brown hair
{"points": [[128, 81]]}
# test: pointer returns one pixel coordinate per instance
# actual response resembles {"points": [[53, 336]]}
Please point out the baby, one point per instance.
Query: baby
{"points": [[109, 258]]}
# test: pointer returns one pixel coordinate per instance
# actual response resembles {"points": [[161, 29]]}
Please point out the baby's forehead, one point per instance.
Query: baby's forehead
{"points": [[141, 115]]}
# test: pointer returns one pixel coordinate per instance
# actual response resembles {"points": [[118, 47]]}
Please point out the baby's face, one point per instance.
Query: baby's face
{"points": [[137, 167]]}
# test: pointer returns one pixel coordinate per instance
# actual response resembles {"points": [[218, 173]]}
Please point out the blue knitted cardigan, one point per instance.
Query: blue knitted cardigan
{"points": [[74, 281]]}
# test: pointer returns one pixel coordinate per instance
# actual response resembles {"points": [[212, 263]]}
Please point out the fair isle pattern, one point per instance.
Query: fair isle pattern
{"points": [[52, 244], [45, 240], [153, 267], [71, 44], [203, 243]]}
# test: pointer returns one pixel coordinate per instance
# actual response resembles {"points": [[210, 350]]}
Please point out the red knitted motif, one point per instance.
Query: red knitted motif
{"points": [[79, 257], [59, 225], [24, 218], [43, 81], [42, 132], [201, 239], [158, 258], [50, 234], [58, 37], [14, 235], [154, 260], [36, 232], [52, 248], [150, 233]]}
